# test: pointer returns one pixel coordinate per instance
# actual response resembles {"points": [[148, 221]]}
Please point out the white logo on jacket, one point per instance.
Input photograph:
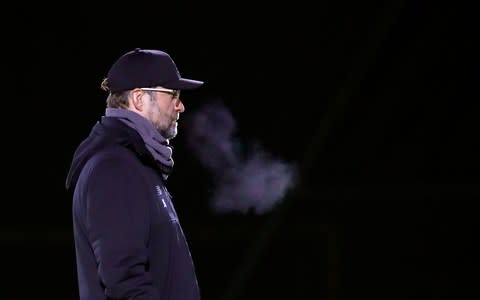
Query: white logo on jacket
{"points": [[160, 195]]}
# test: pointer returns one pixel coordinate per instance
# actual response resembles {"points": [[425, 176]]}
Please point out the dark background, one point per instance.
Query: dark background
{"points": [[376, 102]]}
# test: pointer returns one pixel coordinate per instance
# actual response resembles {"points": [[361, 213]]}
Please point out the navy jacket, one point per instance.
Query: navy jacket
{"points": [[128, 240]]}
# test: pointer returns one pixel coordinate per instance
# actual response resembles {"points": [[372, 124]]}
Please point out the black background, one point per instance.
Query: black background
{"points": [[376, 102]]}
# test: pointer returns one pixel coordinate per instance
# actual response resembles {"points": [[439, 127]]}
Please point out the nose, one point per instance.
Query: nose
{"points": [[180, 107]]}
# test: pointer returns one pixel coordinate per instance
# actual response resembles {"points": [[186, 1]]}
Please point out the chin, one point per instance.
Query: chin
{"points": [[171, 133]]}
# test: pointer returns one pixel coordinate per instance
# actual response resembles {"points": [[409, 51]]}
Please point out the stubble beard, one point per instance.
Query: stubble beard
{"points": [[168, 131]]}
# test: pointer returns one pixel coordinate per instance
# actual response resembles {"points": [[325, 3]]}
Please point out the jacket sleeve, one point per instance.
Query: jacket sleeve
{"points": [[117, 218]]}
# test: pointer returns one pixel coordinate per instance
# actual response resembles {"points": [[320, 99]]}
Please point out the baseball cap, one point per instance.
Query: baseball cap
{"points": [[147, 68]]}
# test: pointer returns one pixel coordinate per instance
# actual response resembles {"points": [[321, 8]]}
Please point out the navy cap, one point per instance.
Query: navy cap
{"points": [[147, 68]]}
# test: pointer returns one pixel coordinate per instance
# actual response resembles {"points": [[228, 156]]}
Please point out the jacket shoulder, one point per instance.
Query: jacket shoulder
{"points": [[112, 160]]}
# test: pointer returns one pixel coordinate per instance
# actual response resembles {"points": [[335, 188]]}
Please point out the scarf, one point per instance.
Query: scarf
{"points": [[157, 145]]}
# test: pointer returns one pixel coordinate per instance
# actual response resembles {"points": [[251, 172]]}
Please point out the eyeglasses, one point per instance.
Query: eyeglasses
{"points": [[174, 93]]}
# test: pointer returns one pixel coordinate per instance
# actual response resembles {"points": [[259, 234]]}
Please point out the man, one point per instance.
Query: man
{"points": [[128, 240]]}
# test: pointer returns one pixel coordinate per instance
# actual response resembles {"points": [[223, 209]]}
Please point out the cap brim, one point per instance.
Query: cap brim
{"points": [[184, 84]]}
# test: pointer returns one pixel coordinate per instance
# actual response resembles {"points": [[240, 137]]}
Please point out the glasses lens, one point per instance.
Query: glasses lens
{"points": [[174, 93]]}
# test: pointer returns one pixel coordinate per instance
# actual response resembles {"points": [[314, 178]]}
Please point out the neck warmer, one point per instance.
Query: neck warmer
{"points": [[157, 145]]}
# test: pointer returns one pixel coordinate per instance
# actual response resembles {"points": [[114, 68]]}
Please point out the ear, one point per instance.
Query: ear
{"points": [[136, 99]]}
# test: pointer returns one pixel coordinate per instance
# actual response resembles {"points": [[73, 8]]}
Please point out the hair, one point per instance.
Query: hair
{"points": [[115, 100]]}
